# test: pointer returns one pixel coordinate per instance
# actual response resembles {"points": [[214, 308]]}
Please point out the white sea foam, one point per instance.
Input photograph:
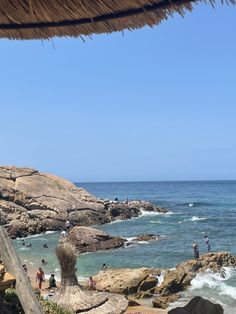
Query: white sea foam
{"points": [[49, 232], [81, 278], [116, 221], [149, 213], [130, 239], [161, 278], [24, 248], [228, 291], [190, 204], [155, 222], [195, 218], [216, 282]]}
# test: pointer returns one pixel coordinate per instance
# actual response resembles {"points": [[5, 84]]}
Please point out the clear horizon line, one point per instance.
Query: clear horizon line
{"points": [[149, 181]]}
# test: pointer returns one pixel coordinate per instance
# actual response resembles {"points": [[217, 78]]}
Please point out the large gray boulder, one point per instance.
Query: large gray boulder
{"points": [[33, 202], [87, 239]]}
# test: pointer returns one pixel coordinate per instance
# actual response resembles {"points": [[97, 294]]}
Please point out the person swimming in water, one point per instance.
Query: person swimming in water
{"points": [[104, 266]]}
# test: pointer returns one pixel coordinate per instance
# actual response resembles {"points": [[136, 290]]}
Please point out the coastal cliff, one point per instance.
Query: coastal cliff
{"points": [[32, 202]]}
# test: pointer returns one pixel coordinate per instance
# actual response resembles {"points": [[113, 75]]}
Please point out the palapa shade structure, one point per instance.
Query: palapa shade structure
{"points": [[71, 295], [43, 19]]}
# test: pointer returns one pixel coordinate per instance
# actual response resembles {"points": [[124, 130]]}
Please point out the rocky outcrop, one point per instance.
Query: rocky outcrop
{"points": [[127, 210], [144, 282], [126, 280], [179, 278], [87, 239], [198, 305], [163, 301], [33, 202]]}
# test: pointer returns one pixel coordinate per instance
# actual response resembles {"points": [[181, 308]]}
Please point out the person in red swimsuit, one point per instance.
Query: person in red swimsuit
{"points": [[40, 278]]}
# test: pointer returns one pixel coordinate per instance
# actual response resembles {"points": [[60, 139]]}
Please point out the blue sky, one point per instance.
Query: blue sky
{"points": [[154, 104]]}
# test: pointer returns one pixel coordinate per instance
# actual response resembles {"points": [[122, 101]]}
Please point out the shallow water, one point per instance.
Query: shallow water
{"points": [[196, 209]]}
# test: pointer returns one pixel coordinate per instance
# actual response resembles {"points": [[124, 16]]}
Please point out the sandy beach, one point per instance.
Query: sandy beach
{"points": [[131, 309], [144, 310]]}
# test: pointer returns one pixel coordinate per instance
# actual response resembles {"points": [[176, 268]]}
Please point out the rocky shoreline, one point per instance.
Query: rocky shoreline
{"points": [[32, 202], [161, 286]]}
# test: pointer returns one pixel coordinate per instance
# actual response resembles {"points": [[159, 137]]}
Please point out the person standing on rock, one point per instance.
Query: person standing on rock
{"points": [[207, 243], [68, 225], [195, 250]]}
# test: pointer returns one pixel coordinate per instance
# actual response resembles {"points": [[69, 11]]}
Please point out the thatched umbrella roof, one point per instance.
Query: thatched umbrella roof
{"points": [[71, 295], [43, 19]]}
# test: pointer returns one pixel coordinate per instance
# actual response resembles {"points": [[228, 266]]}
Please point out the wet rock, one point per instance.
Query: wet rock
{"points": [[147, 237], [87, 239], [162, 302], [198, 305]]}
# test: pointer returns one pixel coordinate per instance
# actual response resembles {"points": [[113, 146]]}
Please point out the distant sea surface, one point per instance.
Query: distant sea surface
{"points": [[195, 208]]}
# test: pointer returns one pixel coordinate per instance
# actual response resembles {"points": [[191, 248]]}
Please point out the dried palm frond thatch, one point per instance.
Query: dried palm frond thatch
{"points": [[67, 258], [29, 19], [71, 295]]}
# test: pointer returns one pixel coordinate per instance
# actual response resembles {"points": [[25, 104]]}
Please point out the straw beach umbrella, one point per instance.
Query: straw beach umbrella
{"points": [[43, 19], [72, 296]]}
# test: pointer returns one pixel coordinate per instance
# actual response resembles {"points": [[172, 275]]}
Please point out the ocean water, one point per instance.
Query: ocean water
{"points": [[195, 209]]}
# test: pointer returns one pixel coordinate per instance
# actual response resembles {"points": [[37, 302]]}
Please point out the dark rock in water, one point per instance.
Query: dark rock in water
{"points": [[33, 202], [87, 239], [198, 305], [146, 237], [123, 211]]}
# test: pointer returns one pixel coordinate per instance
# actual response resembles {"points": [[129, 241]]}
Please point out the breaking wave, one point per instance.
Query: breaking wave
{"points": [[215, 282], [195, 218], [147, 213]]}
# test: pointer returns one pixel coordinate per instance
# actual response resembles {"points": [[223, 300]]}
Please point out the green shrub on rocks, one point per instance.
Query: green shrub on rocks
{"points": [[52, 308], [12, 305]]}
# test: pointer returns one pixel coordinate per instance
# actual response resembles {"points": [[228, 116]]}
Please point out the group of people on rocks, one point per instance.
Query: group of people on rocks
{"points": [[67, 228], [195, 247]]}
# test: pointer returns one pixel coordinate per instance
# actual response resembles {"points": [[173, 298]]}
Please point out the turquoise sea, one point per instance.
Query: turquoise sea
{"points": [[195, 209]]}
